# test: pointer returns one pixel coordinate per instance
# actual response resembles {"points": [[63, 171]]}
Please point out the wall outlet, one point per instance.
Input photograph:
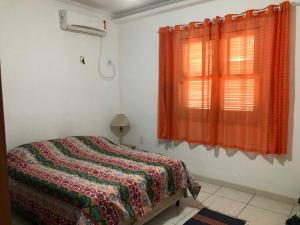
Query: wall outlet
{"points": [[141, 140]]}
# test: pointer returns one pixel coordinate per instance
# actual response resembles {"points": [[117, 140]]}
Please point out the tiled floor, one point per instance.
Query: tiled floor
{"points": [[254, 209]]}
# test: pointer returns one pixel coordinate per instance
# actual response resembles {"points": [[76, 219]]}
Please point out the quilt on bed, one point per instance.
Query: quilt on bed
{"points": [[105, 182]]}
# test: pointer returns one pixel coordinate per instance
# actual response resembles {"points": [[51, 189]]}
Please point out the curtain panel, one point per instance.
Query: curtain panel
{"points": [[225, 82]]}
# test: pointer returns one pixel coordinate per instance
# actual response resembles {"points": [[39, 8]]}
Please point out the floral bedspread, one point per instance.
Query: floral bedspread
{"points": [[105, 182]]}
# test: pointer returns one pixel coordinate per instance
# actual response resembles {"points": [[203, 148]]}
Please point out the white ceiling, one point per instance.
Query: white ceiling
{"points": [[125, 7]]}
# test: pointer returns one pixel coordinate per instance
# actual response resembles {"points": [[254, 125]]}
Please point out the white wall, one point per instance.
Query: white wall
{"points": [[138, 42], [48, 93]]}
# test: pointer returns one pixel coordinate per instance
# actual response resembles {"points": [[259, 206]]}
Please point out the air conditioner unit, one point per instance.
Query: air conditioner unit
{"points": [[75, 22]]}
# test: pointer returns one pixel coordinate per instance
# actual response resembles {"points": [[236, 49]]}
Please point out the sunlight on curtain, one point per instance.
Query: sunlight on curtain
{"points": [[226, 82]]}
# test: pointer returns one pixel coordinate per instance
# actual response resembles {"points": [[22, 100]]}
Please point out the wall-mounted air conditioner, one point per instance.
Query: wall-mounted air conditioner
{"points": [[75, 22]]}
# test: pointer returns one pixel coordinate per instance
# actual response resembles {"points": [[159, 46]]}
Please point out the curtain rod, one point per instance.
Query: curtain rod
{"points": [[255, 12]]}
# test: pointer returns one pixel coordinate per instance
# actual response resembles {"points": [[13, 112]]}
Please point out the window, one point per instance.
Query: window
{"points": [[225, 81], [192, 59], [197, 93], [239, 95], [197, 79], [241, 55], [238, 73]]}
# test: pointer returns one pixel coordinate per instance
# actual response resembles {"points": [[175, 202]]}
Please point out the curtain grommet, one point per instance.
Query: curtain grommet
{"points": [[266, 11], [234, 17], [277, 8], [171, 28], [183, 26]]}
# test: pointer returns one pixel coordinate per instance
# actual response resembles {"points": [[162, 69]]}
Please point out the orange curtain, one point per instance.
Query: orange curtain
{"points": [[226, 82]]}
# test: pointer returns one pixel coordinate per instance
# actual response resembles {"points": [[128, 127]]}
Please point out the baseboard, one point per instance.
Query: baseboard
{"points": [[251, 190]]}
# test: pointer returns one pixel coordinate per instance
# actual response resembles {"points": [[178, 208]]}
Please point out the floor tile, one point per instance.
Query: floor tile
{"points": [[157, 221], [258, 216], [224, 205], [196, 203], [171, 215], [272, 205], [234, 194], [209, 188], [203, 196], [188, 216]]}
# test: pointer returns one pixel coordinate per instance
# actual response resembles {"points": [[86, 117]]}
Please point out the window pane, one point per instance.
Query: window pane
{"points": [[241, 54], [239, 60], [192, 58], [208, 57], [239, 94], [197, 93]]}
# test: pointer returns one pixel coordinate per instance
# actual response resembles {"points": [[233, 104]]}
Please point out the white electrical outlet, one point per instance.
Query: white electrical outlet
{"points": [[141, 140], [156, 142]]}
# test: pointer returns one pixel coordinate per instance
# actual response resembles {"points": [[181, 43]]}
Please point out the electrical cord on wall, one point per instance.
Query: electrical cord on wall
{"points": [[102, 75]]}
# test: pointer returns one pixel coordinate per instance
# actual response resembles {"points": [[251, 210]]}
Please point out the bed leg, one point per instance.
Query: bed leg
{"points": [[178, 203]]}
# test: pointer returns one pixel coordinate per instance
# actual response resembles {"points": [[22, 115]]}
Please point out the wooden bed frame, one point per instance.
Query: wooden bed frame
{"points": [[5, 209]]}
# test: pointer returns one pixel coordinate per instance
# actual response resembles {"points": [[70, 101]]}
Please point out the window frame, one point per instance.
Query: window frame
{"points": [[204, 76], [234, 115], [230, 115]]}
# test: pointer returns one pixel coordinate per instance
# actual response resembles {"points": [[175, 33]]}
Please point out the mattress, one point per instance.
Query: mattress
{"points": [[90, 180]]}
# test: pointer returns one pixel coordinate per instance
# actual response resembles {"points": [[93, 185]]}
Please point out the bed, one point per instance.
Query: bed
{"points": [[87, 180]]}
